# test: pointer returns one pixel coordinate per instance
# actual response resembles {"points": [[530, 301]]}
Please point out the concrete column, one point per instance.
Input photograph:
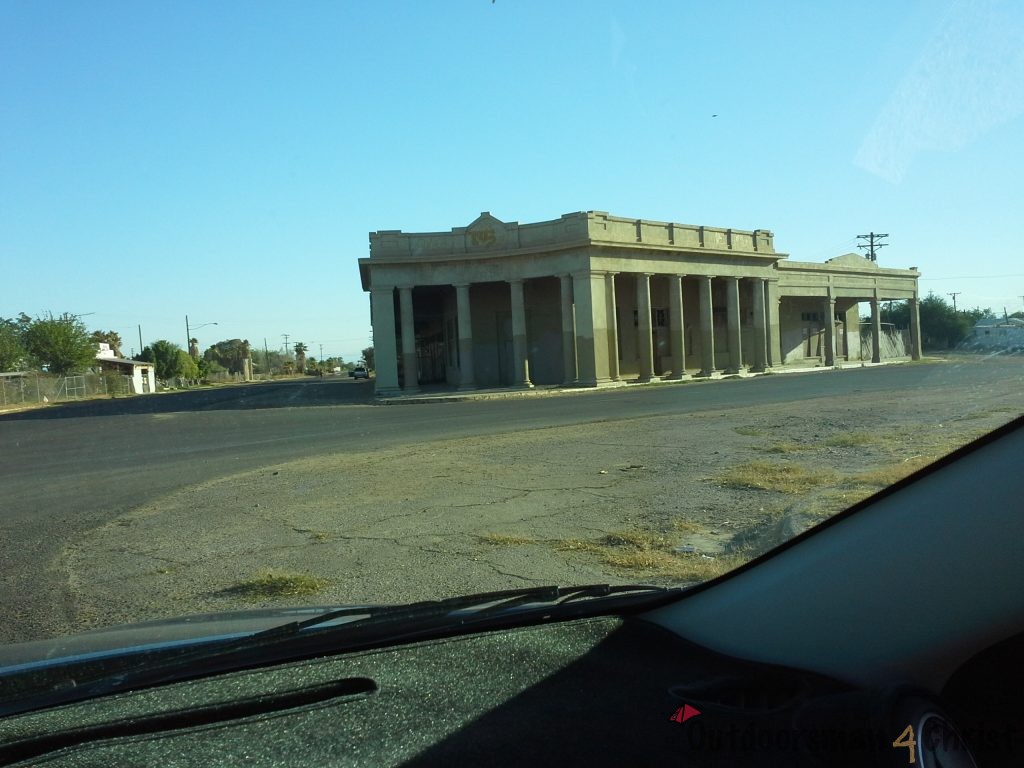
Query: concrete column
{"points": [[830, 331], [644, 339], [520, 362], [760, 326], [612, 317], [467, 379], [588, 289], [409, 362], [876, 330], [732, 303], [385, 344], [707, 328], [568, 333], [676, 337], [915, 328], [774, 326]]}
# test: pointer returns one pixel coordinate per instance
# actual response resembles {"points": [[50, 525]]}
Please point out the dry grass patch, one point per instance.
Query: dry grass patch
{"points": [[505, 540], [636, 539], [772, 476], [786, 447], [651, 553], [578, 545], [892, 473], [749, 431], [271, 584]]}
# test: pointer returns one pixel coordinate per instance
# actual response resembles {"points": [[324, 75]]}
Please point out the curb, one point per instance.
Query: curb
{"points": [[455, 397]]}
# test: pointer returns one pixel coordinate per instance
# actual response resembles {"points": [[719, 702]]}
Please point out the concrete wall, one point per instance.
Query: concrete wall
{"points": [[491, 311], [544, 330]]}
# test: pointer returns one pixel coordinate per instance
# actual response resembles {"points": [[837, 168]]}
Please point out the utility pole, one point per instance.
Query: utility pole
{"points": [[140, 341], [286, 335], [266, 357], [954, 295], [321, 354], [874, 242]]}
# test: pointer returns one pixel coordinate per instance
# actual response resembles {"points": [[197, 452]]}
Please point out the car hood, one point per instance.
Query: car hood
{"points": [[152, 635]]}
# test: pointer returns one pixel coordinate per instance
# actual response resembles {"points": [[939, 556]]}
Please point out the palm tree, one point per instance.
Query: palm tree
{"points": [[300, 356]]}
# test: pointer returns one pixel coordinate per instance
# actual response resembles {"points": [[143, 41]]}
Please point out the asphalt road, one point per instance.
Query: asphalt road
{"points": [[65, 470]]}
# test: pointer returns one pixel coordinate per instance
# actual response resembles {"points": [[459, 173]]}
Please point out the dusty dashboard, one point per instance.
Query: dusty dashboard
{"points": [[601, 691]]}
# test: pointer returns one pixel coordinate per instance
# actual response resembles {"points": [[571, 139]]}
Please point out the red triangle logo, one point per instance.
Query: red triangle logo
{"points": [[684, 713]]}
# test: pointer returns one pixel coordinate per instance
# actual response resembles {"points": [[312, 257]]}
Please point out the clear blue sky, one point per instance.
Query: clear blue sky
{"points": [[227, 160]]}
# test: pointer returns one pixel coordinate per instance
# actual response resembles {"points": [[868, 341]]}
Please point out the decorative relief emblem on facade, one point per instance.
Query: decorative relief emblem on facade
{"points": [[485, 232], [482, 237]]}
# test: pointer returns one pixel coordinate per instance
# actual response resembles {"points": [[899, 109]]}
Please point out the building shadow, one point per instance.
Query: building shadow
{"points": [[298, 393]]}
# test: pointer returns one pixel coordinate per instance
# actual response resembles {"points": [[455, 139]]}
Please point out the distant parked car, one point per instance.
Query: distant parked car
{"points": [[359, 373]]}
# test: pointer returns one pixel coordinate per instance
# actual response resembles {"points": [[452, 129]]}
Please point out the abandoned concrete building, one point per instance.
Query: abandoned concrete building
{"points": [[591, 298]]}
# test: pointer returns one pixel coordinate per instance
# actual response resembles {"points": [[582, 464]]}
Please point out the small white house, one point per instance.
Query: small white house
{"points": [[143, 374], [999, 333]]}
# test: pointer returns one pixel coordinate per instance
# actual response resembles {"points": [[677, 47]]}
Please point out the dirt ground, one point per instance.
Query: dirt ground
{"points": [[656, 500]]}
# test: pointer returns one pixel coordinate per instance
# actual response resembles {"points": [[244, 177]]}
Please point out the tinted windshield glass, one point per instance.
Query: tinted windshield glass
{"points": [[344, 304]]}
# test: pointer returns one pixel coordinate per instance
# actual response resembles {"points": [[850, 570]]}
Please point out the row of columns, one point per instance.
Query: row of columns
{"points": [[876, 329], [590, 332]]}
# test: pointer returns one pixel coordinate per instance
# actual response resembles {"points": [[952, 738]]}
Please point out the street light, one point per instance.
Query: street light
{"points": [[188, 336]]}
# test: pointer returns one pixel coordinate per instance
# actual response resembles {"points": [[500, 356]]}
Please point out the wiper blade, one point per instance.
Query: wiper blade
{"points": [[369, 626], [484, 604]]}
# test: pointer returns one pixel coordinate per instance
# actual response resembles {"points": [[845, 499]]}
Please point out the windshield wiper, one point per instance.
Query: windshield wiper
{"points": [[366, 626]]}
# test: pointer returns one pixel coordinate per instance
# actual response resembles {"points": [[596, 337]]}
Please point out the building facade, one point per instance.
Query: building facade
{"points": [[591, 298]]}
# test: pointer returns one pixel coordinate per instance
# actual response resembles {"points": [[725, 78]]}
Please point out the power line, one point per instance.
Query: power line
{"points": [[874, 242], [974, 277]]}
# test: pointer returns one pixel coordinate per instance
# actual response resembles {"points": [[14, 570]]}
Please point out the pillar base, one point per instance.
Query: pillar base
{"points": [[704, 374], [677, 377]]}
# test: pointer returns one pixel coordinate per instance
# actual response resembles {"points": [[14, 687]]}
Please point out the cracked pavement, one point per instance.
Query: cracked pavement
{"points": [[475, 514]]}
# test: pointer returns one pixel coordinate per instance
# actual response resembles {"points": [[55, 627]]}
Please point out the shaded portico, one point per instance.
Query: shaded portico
{"points": [[589, 299]]}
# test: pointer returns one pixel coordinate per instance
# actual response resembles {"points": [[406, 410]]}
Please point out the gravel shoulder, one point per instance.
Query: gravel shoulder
{"points": [[664, 499]]}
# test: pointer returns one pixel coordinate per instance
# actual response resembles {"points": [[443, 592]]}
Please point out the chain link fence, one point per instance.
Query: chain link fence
{"points": [[30, 388]]}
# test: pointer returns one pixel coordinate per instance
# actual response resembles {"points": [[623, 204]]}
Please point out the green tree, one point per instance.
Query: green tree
{"points": [[230, 354], [368, 358], [268, 362], [113, 338], [210, 367], [165, 358], [60, 344], [942, 327], [12, 351], [187, 366]]}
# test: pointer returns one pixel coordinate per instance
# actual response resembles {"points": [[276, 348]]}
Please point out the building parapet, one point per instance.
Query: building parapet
{"points": [[488, 234]]}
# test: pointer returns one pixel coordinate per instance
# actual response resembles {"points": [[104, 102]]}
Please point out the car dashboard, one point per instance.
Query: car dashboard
{"points": [[596, 691]]}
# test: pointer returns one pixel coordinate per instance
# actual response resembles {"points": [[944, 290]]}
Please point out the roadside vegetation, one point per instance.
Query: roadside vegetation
{"points": [[271, 585]]}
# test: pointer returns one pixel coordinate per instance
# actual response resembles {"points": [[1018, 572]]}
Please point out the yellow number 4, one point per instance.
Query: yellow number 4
{"points": [[906, 739]]}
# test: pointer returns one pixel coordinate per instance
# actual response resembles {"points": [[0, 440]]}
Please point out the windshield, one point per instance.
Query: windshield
{"points": [[344, 304]]}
